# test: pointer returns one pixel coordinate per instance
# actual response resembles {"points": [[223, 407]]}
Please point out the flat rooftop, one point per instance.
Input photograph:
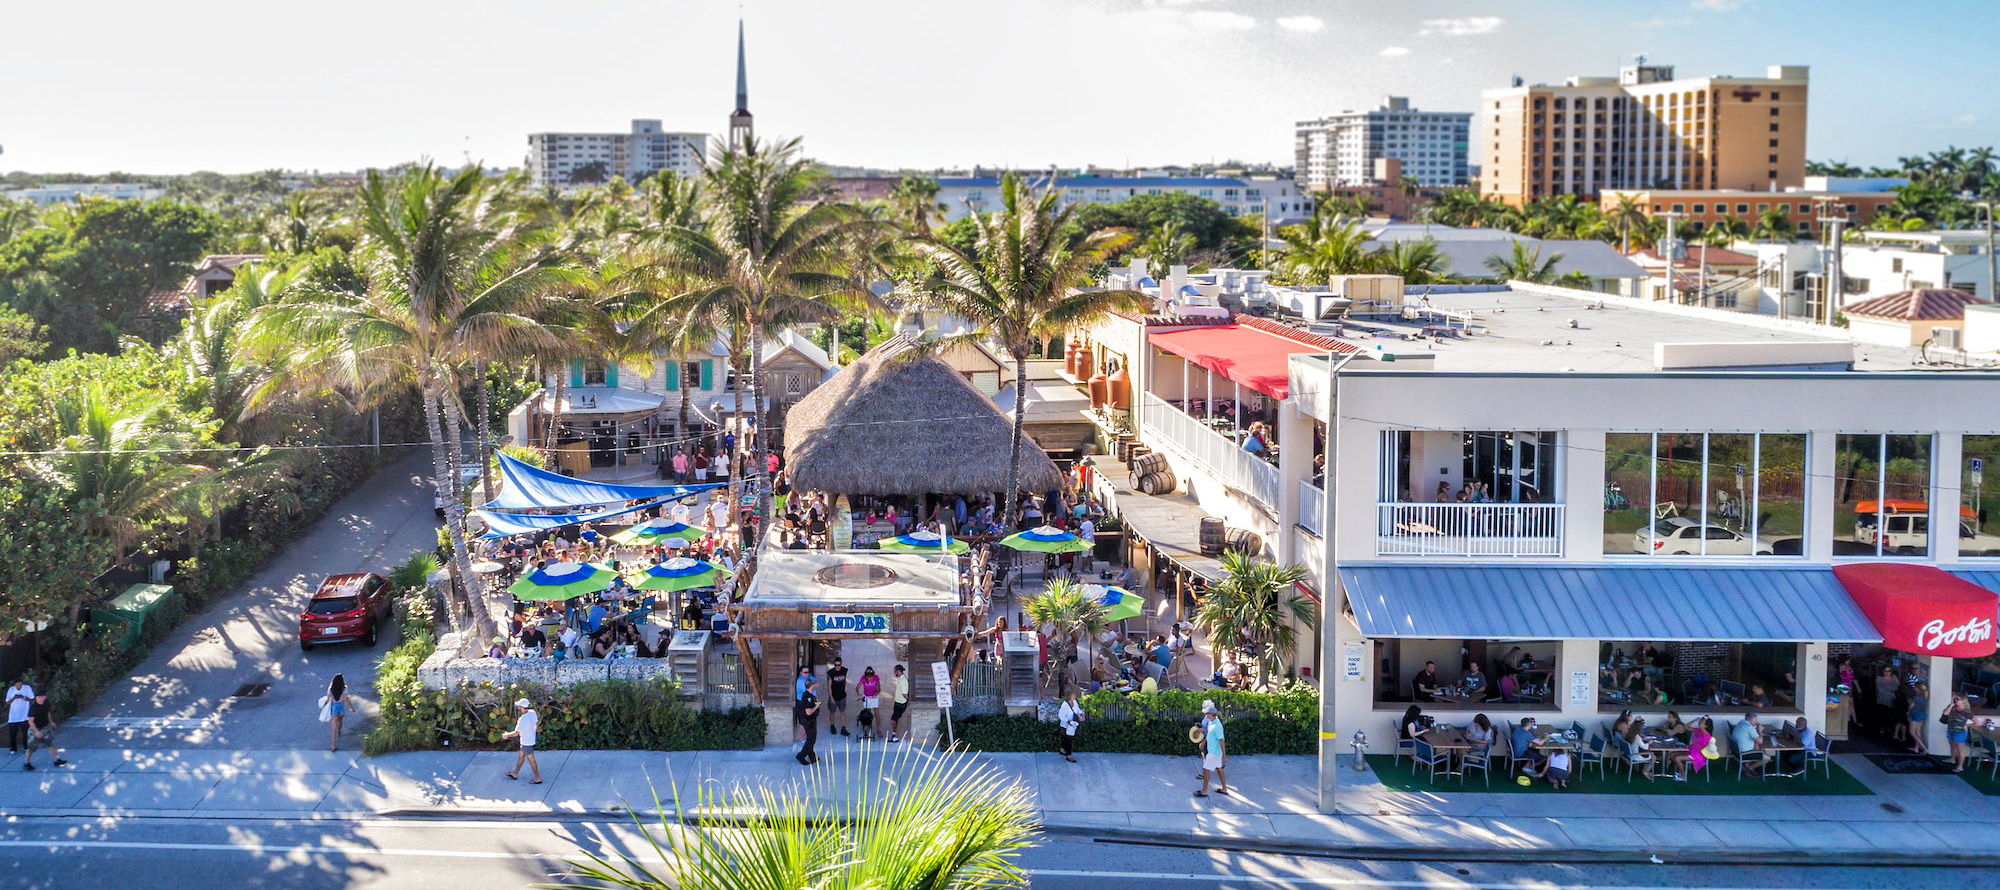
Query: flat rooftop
{"points": [[851, 579], [1532, 332]]}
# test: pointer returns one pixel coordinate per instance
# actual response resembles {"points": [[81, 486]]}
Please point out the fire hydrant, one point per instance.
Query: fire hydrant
{"points": [[1360, 743]]}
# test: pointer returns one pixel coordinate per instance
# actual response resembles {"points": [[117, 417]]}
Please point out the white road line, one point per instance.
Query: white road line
{"points": [[1451, 881], [262, 849]]}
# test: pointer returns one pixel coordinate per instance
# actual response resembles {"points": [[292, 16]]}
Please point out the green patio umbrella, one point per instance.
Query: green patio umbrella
{"points": [[680, 573], [661, 531], [562, 580], [920, 542], [1047, 539], [1119, 603]]}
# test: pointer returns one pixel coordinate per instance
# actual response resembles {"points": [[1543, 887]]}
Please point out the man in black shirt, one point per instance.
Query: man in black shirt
{"points": [[533, 639], [1426, 685], [41, 733], [806, 712], [836, 683]]}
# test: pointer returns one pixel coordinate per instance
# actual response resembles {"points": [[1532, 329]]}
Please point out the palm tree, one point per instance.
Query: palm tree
{"points": [[1774, 224], [1020, 284], [768, 255], [1728, 230], [1070, 616], [1627, 215], [1257, 601], [909, 819], [1418, 262], [1167, 246], [916, 201], [116, 459], [1323, 246], [1524, 263], [452, 279]]}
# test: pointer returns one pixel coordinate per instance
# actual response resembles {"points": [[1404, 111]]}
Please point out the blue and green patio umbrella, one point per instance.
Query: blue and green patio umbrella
{"points": [[920, 541], [661, 531], [1047, 539], [679, 573], [1119, 603], [562, 580]]}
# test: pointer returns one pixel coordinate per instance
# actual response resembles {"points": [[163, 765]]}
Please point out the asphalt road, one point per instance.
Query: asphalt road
{"points": [[137, 854], [181, 696]]}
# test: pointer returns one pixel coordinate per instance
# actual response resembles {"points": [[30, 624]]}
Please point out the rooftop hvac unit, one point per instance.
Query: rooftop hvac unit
{"points": [[1945, 338]]}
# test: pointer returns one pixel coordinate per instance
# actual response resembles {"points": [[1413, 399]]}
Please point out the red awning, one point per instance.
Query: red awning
{"points": [[1923, 609], [1255, 358]]}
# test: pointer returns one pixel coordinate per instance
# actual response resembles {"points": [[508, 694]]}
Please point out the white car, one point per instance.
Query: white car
{"points": [[1681, 536], [1908, 534]]}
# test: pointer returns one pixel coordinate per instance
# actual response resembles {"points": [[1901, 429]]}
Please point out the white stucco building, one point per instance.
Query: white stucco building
{"points": [[1341, 149], [646, 150], [1274, 198]]}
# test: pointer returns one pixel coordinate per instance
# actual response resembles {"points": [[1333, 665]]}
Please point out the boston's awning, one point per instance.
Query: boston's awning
{"points": [[527, 487], [1605, 603], [1923, 609], [1248, 355]]}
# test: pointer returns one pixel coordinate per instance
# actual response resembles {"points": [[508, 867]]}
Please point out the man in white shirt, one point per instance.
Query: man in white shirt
{"points": [[1087, 530], [525, 728], [718, 514], [681, 512], [569, 638], [20, 697]]}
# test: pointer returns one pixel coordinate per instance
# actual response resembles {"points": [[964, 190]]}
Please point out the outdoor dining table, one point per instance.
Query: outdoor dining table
{"points": [[1782, 741], [1453, 742]]}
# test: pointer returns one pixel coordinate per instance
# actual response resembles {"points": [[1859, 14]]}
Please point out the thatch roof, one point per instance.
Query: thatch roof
{"points": [[898, 423]]}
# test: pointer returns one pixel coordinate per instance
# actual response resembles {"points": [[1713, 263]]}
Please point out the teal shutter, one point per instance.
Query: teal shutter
{"points": [[673, 376], [707, 373], [576, 372], [611, 374]]}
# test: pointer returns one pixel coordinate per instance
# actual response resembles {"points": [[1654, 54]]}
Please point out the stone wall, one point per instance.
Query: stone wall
{"points": [[449, 667]]}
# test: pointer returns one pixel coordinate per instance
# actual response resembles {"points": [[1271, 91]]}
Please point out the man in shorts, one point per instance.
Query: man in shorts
{"points": [[41, 733], [525, 728], [1215, 750], [901, 687], [836, 707]]}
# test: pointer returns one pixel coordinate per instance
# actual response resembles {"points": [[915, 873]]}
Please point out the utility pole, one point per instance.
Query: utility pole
{"points": [[1831, 281], [1670, 251], [1992, 262]]}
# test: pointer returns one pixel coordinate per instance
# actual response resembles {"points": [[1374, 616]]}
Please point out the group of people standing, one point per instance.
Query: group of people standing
{"points": [[806, 706], [30, 726]]}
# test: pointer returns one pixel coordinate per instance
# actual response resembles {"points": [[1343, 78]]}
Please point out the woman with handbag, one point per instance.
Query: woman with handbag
{"points": [[333, 708]]}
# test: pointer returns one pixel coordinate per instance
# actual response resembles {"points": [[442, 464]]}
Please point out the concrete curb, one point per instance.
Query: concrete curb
{"points": [[1572, 855]]}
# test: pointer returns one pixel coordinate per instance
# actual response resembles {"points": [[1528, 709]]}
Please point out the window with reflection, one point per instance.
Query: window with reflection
{"points": [[1704, 494], [1881, 495], [1979, 510]]}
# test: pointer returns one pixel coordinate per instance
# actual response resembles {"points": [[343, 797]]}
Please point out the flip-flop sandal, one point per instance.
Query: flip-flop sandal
{"points": [[512, 776], [1201, 794], [1222, 791], [536, 782]]}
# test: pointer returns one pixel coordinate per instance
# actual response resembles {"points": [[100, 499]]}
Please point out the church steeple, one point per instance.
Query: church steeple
{"points": [[739, 120]]}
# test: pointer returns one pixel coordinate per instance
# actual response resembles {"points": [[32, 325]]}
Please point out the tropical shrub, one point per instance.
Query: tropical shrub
{"points": [[1282, 722]]}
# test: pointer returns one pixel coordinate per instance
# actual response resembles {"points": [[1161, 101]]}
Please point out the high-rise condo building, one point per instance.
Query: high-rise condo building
{"points": [[1341, 149]]}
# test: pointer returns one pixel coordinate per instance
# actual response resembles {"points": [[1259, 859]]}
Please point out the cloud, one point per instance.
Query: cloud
{"points": [[1394, 51], [1303, 24], [1221, 21], [1658, 22], [1178, 2], [1461, 27], [1718, 5]]}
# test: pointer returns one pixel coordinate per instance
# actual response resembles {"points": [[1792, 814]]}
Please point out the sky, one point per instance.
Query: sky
{"points": [[237, 86]]}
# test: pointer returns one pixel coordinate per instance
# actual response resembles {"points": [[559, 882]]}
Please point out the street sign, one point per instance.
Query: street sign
{"points": [[941, 676]]}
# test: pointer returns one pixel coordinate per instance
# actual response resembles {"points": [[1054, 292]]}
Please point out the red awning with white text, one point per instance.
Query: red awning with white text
{"points": [[1923, 609]]}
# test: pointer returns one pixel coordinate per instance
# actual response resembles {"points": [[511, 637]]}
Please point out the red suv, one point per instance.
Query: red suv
{"points": [[346, 607]]}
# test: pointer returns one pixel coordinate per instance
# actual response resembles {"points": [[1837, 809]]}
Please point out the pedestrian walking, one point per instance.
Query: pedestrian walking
{"points": [[1069, 715], [1215, 751], [806, 711], [41, 734], [525, 728], [1920, 710], [836, 710], [799, 684], [901, 687], [19, 697], [333, 709], [871, 701]]}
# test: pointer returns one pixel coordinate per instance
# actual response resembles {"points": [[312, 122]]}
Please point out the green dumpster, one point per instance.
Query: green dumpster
{"points": [[124, 615]]}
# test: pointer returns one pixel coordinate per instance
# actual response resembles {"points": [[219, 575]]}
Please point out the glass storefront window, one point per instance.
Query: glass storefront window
{"points": [[1704, 494], [1643, 675], [1881, 494], [1979, 511], [1509, 672]]}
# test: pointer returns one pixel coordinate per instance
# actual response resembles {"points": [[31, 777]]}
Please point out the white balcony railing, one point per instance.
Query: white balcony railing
{"points": [[1165, 424], [1533, 530], [1312, 506]]}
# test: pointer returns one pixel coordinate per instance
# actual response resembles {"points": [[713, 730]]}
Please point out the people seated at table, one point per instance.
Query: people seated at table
{"points": [[497, 648], [570, 639], [1674, 729], [1424, 688], [1511, 662], [533, 639], [1479, 731], [1639, 750], [1757, 697], [602, 643], [1161, 653], [1232, 676], [1510, 688], [1555, 768], [1474, 682], [1149, 684], [1621, 724], [1413, 724], [1748, 739], [1522, 741]]}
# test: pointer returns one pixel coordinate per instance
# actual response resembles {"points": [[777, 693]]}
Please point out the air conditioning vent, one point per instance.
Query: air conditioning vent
{"points": [[1945, 338]]}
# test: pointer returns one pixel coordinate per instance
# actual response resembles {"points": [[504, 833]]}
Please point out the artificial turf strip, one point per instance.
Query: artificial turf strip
{"points": [[1402, 777], [1978, 777]]}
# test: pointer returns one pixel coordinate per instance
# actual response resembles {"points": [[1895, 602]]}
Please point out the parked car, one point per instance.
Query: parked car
{"points": [[467, 475], [1681, 536], [345, 607], [1908, 534]]}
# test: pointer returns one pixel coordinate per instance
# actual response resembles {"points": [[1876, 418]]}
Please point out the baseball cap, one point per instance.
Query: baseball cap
{"points": [[522, 703], [1208, 706]]}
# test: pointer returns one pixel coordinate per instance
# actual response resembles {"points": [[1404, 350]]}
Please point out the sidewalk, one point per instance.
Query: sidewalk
{"points": [[1134, 797]]}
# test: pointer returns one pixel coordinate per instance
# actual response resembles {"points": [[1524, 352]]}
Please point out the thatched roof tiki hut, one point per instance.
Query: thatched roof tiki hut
{"points": [[900, 422]]}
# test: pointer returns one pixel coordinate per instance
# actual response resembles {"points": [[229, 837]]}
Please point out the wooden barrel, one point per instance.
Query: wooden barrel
{"points": [[1150, 462], [1243, 540], [1156, 483], [1211, 535]]}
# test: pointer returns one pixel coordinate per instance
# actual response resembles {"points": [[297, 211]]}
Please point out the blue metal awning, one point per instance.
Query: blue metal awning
{"points": [[1987, 578], [1607, 602]]}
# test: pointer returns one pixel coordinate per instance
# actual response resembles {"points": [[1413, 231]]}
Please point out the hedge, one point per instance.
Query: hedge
{"points": [[1283, 722]]}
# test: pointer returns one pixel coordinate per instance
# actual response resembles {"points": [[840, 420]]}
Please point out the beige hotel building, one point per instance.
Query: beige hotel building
{"points": [[1643, 129]]}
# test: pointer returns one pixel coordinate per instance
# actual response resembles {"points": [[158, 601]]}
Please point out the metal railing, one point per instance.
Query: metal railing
{"points": [[1165, 424], [1409, 529], [1312, 506]]}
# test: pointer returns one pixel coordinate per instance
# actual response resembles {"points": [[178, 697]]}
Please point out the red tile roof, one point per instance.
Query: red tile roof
{"points": [[1929, 304], [1716, 256]]}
